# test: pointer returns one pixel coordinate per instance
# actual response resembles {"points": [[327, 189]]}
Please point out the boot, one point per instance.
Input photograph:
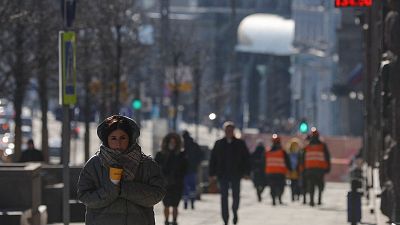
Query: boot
{"points": [[312, 203], [192, 203], [319, 198], [259, 196], [235, 218]]}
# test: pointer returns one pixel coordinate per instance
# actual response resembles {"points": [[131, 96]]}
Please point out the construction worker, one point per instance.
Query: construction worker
{"points": [[277, 164], [316, 163]]}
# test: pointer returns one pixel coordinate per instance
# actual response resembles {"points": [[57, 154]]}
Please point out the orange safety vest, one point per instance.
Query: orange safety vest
{"points": [[315, 157], [275, 162]]}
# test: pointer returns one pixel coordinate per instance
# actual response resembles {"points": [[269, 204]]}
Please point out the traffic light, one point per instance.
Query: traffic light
{"points": [[303, 127], [136, 104]]}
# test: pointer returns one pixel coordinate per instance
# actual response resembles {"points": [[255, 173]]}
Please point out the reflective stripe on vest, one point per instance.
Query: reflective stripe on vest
{"points": [[275, 162], [315, 157]]}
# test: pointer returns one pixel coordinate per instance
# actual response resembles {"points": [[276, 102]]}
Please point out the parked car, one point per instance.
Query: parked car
{"points": [[55, 150]]}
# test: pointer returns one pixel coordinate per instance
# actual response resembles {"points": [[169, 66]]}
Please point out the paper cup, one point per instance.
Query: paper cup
{"points": [[115, 174]]}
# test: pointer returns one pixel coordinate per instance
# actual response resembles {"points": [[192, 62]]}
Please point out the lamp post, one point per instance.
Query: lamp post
{"points": [[67, 96], [212, 117]]}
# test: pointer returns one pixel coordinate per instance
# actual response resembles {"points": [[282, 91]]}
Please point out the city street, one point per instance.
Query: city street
{"points": [[207, 210], [283, 89]]}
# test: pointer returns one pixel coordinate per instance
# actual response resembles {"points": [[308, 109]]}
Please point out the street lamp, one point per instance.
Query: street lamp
{"points": [[212, 116]]}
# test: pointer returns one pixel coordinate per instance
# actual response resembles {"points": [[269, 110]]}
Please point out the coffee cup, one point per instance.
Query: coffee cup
{"points": [[115, 174]]}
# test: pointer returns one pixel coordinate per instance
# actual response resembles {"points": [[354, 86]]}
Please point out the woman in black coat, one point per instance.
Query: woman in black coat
{"points": [[115, 198], [258, 169], [173, 166]]}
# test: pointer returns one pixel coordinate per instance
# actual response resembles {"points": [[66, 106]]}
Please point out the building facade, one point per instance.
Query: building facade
{"points": [[314, 66], [216, 24]]}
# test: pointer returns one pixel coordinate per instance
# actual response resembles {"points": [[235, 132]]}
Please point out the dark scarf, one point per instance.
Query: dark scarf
{"points": [[129, 160]]}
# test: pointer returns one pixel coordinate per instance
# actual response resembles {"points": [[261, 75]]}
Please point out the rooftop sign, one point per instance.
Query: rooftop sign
{"points": [[353, 3]]}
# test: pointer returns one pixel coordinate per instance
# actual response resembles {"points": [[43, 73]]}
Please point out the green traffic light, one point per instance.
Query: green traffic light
{"points": [[137, 104], [303, 127]]}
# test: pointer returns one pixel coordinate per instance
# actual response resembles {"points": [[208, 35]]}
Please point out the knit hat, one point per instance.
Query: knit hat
{"points": [[115, 122]]}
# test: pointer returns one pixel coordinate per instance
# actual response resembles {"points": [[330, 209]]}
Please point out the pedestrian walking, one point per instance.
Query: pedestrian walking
{"points": [[354, 207], [31, 154], [119, 185], [257, 169], [294, 175], [316, 159], [277, 164], [229, 163], [194, 157], [173, 165]]}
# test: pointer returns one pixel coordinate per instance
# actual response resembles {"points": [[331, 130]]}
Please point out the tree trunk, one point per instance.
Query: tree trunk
{"points": [[42, 64], [87, 106], [43, 96], [20, 89], [104, 91], [197, 85], [175, 96]]}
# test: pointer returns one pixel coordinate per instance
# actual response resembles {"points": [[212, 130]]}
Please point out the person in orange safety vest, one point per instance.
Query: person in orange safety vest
{"points": [[316, 163], [277, 164]]}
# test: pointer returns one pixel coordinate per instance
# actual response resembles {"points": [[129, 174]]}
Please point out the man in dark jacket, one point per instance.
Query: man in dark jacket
{"points": [[31, 154], [230, 161]]}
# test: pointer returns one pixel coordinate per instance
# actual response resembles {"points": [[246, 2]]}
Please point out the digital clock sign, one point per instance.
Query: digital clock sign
{"points": [[353, 3]]}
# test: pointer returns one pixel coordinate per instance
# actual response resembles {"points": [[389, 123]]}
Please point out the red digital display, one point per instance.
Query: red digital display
{"points": [[353, 3]]}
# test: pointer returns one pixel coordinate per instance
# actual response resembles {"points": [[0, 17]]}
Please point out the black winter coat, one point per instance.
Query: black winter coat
{"points": [[173, 167], [230, 160], [193, 154], [258, 166], [130, 203]]}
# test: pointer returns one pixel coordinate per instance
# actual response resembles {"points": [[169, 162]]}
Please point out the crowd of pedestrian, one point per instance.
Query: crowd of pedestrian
{"points": [[120, 185], [303, 168]]}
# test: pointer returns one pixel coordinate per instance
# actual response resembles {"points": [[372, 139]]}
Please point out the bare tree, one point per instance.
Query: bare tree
{"points": [[46, 55], [188, 57], [17, 59], [119, 48]]}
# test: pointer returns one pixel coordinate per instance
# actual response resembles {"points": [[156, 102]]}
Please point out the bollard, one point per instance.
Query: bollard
{"points": [[354, 210]]}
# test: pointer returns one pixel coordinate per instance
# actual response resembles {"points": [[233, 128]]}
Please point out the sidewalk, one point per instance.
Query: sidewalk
{"points": [[332, 212]]}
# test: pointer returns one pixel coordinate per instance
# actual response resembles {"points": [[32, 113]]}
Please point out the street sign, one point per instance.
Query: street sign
{"points": [[67, 67], [179, 79]]}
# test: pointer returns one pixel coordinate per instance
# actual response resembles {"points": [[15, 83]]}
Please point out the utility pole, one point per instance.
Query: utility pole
{"points": [[67, 76], [164, 47]]}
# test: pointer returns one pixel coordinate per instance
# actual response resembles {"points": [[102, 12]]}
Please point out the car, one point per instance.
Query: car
{"points": [[5, 126], [6, 145], [6, 109], [55, 149]]}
